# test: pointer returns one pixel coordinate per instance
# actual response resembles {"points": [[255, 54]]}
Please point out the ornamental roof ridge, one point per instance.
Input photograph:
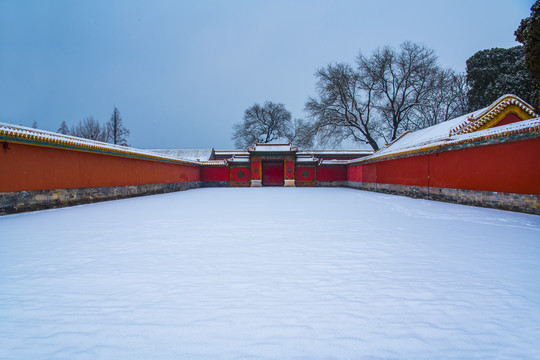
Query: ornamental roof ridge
{"points": [[473, 123], [527, 128]]}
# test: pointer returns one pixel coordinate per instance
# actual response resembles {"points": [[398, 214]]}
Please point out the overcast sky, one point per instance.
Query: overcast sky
{"points": [[183, 72]]}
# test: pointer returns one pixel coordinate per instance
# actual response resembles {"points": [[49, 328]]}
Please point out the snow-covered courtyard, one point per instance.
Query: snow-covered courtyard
{"points": [[270, 273]]}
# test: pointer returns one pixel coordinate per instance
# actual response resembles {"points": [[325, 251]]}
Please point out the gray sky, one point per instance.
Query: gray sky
{"points": [[183, 72]]}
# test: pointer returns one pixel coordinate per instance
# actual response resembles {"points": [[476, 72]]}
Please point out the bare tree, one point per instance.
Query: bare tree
{"points": [[90, 129], [262, 124], [116, 131], [302, 134], [403, 80], [383, 96], [447, 100], [345, 106]]}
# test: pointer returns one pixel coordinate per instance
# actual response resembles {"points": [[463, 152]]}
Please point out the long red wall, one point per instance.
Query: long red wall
{"points": [[332, 173], [28, 167], [509, 167], [215, 173]]}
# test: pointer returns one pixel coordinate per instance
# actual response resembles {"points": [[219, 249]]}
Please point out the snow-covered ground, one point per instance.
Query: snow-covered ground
{"points": [[270, 273]]}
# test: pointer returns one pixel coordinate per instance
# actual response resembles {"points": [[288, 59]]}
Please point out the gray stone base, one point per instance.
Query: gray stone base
{"points": [[256, 183], [206, 184], [505, 201], [21, 201], [332, 183]]}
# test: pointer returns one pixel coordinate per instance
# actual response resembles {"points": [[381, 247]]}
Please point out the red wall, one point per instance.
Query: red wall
{"points": [[355, 173], [332, 173], [215, 173], [509, 119], [27, 167], [509, 167]]}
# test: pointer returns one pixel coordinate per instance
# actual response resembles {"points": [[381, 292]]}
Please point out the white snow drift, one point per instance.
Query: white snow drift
{"points": [[270, 273]]}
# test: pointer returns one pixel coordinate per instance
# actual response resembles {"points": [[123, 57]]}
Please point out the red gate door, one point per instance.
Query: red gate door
{"points": [[272, 173]]}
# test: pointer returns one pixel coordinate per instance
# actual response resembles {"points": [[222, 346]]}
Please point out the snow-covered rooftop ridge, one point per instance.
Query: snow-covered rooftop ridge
{"points": [[532, 124], [423, 136], [25, 134], [186, 154], [239, 159], [221, 162], [451, 131], [272, 148], [231, 152], [333, 162], [476, 120], [306, 158], [335, 152], [408, 144]]}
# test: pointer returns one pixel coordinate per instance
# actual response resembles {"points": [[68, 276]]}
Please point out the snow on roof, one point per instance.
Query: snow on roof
{"points": [[230, 152], [334, 162], [239, 159], [186, 154], [221, 162], [476, 122], [22, 134], [272, 148], [409, 146], [421, 137], [306, 159], [460, 129], [336, 152]]}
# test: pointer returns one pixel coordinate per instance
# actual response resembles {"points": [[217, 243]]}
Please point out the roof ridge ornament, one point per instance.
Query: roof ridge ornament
{"points": [[492, 113]]}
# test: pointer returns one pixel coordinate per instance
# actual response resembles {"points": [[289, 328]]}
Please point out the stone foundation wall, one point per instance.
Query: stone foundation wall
{"points": [[206, 184], [21, 201], [332, 183], [505, 201]]}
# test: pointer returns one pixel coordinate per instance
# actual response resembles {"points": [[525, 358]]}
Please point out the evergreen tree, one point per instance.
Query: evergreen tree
{"points": [[117, 133], [528, 34], [495, 72]]}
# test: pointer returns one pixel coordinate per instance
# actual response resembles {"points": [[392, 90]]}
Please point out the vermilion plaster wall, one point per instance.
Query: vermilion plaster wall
{"points": [[28, 167], [215, 173], [332, 173], [510, 167]]}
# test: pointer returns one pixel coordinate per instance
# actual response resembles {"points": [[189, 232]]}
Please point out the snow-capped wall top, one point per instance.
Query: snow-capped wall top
{"points": [[272, 148], [483, 118], [239, 159], [466, 128], [21, 134], [186, 154], [306, 158], [418, 141], [336, 152], [230, 152]]}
